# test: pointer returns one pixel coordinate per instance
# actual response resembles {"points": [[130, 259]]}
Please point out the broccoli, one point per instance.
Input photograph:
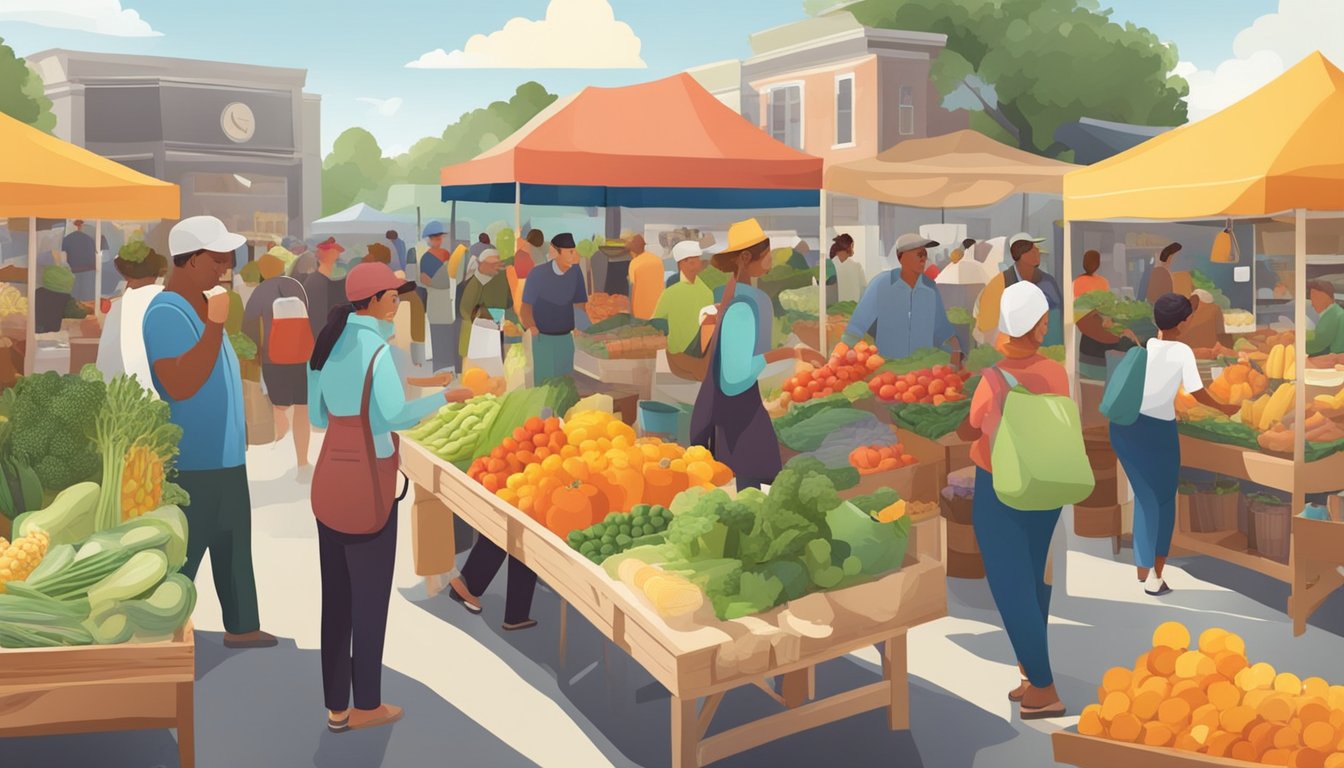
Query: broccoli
{"points": [[53, 420]]}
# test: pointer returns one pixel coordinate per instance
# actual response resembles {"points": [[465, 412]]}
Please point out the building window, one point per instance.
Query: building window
{"points": [[906, 123], [785, 119], [844, 110]]}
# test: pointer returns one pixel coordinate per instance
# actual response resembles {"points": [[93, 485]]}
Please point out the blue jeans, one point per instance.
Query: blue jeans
{"points": [[1150, 451], [1015, 546]]}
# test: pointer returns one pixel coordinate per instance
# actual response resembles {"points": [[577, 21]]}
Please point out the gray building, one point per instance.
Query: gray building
{"points": [[242, 141]]}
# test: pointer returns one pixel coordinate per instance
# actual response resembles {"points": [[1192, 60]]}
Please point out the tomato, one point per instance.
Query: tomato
{"points": [[814, 385], [910, 379], [908, 397], [965, 375], [831, 382], [924, 380], [887, 392], [872, 362], [827, 392], [919, 391], [953, 397], [937, 386], [901, 387], [953, 381]]}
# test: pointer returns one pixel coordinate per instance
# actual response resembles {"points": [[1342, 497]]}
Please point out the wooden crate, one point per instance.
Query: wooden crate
{"points": [[1072, 748], [703, 657], [85, 689], [918, 482]]}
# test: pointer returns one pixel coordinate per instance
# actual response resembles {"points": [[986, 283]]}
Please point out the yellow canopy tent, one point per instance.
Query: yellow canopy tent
{"points": [[42, 176], [964, 169], [1277, 151]]}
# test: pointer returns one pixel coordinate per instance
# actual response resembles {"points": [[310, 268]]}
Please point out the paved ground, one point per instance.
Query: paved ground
{"points": [[477, 696]]}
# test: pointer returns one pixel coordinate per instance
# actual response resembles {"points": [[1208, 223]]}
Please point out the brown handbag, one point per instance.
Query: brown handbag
{"points": [[694, 368], [353, 488]]}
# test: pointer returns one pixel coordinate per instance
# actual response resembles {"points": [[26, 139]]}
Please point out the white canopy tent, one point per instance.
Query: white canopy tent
{"points": [[361, 219]]}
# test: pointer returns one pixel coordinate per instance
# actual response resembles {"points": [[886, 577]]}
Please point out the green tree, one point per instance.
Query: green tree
{"points": [[356, 170], [21, 94], [1028, 66]]}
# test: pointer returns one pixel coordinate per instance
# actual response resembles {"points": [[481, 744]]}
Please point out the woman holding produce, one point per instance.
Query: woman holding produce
{"points": [[729, 417], [354, 388], [1150, 449], [1015, 543], [481, 293]]}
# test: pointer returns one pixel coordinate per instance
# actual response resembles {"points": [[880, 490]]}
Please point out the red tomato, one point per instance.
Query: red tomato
{"points": [[911, 379], [965, 375], [953, 381], [937, 386], [887, 392], [851, 356], [901, 387], [843, 374], [919, 392], [814, 385], [908, 397], [924, 380]]}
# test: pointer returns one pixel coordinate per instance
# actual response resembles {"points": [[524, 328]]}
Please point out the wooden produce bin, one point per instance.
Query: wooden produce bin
{"points": [[93, 688], [918, 482], [956, 452], [1072, 748], [635, 372], [706, 659]]}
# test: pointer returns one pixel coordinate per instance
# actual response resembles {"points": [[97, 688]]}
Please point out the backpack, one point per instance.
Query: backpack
{"points": [[1037, 451], [291, 340], [1123, 396]]}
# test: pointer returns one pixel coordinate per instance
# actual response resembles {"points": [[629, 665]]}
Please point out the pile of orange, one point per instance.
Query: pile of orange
{"points": [[529, 444], [1210, 699], [870, 459]]}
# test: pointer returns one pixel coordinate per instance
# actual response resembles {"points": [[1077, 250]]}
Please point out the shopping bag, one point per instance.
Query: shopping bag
{"points": [[1037, 452], [1123, 396], [291, 341], [484, 341]]}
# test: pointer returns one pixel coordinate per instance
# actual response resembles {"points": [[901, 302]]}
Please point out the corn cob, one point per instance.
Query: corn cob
{"points": [[20, 558], [141, 482]]}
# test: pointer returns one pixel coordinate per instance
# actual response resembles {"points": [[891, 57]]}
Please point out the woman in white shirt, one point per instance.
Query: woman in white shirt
{"points": [[1150, 449], [121, 349]]}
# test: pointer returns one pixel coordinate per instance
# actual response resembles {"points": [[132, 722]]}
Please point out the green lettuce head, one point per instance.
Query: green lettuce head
{"points": [[58, 278], [133, 252]]}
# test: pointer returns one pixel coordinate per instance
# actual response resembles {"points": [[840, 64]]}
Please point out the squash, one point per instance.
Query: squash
{"points": [[623, 487], [575, 506], [662, 483], [69, 518]]}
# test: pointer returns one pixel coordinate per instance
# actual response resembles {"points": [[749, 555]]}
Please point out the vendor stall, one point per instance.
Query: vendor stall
{"points": [[1272, 160]]}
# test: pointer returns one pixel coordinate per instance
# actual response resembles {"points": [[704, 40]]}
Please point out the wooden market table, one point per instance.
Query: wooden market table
{"points": [[1316, 547], [93, 688], [1073, 748], [703, 661]]}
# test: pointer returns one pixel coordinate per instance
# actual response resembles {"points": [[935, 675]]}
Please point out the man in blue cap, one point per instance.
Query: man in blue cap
{"points": [[441, 299], [550, 296]]}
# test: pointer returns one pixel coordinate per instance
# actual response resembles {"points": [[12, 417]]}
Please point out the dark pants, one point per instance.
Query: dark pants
{"points": [[482, 565], [219, 520], [1015, 546], [356, 588]]}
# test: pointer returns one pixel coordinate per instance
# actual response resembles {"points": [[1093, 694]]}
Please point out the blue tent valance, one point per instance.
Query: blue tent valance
{"points": [[633, 197]]}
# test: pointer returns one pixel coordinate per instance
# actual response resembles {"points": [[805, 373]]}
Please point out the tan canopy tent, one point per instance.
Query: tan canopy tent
{"points": [[965, 169], [42, 176]]}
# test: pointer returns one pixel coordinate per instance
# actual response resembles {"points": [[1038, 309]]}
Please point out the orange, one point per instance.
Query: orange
{"points": [[1157, 734], [1126, 727], [1235, 719], [1145, 704], [1319, 736], [1089, 722], [1116, 704], [1116, 679], [1171, 634], [1174, 711], [1224, 695]]}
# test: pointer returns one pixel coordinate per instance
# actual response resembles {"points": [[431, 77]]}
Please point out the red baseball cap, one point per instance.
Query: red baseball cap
{"points": [[372, 278], [330, 244]]}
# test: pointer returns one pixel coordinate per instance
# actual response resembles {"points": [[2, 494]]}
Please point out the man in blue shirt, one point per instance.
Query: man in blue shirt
{"points": [[196, 373], [82, 256], [550, 297], [902, 308], [398, 247]]}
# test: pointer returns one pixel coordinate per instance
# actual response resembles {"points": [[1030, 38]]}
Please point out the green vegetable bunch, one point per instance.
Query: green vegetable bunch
{"points": [[1113, 307], [1204, 282], [58, 278], [982, 357], [960, 316], [130, 415], [620, 532], [53, 419], [134, 251], [243, 346]]}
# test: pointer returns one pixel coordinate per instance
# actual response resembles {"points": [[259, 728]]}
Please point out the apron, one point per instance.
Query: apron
{"points": [[552, 356], [617, 282], [736, 429]]}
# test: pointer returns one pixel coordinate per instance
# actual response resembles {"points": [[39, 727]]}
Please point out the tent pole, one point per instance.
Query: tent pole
{"points": [[517, 212], [452, 223], [1070, 329], [823, 258], [98, 270], [1300, 342], [30, 338]]}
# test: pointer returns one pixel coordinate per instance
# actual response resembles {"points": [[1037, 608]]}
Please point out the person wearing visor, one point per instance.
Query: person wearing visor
{"points": [[1014, 543], [902, 309], [196, 372], [351, 358]]}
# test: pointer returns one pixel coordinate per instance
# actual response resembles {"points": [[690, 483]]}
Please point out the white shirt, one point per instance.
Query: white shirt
{"points": [[849, 280], [1171, 365], [968, 271], [122, 346]]}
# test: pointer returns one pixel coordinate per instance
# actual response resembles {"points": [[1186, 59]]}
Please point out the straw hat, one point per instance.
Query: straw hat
{"points": [[744, 234]]}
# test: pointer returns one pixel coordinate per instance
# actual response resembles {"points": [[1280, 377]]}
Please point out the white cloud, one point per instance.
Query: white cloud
{"points": [[1264, 50], [562, 40], [384, 107], [102, 17]]}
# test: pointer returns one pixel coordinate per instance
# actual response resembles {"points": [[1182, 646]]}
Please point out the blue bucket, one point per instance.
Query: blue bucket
{"points": [[658, 418]]}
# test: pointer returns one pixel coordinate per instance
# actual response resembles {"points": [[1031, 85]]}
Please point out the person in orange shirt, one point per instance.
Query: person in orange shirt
{"points": [[647, 279], [1090, 281]]}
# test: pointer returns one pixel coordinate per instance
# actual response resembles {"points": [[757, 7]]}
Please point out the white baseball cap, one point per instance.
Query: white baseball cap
{"points": [[911, 241], [202, 233], [687, 249], [1021, 236], [1021, 308]]}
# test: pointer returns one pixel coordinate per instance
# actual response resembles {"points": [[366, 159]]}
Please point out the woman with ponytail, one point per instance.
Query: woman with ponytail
{"points": [[356, 394]]}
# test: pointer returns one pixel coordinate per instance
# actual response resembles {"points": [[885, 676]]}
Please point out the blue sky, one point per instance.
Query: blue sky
{"points": [[357, 51]]}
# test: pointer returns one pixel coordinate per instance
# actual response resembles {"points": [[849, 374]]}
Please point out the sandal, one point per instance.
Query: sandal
{"points": [[524, 624], [1055, 709], [1019, 692], [471, 605]]}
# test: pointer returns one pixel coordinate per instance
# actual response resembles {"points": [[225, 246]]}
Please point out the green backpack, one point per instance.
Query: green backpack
{"points": [[1037, 451]]}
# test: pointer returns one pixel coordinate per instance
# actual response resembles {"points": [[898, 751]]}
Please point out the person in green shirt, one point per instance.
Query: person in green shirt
{"points": [[680, 304], [1329, 336], [482, 293]]}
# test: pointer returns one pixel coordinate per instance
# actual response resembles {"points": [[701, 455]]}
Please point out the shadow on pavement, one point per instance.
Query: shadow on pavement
{"points": [[263, 707]]}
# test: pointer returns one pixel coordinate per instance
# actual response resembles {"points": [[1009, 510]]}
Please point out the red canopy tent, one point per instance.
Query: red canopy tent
{"points": [[667, 144]]}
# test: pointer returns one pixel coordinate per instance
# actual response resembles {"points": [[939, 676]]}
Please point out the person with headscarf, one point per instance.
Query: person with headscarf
{"points": [[484, 290], [286, 383]]}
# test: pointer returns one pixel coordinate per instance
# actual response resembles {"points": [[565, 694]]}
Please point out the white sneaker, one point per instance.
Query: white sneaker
{"points": [[1155, 586], [305, 474]]}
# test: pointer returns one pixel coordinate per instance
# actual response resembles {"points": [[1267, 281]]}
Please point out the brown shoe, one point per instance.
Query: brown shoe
{"points": [[1040, 703], [1017, 693], [385, 714], [338, 722], [457, 590], [257, 639]]}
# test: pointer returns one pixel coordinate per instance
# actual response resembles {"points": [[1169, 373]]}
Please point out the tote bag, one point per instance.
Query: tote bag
{"points": [[1123, 396], [1037, 451]]}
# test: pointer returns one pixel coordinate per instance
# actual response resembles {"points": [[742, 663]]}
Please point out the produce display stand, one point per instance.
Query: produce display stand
{"points": [[96, 688], [1072, 748], [1315, 559], [636, 372], [704, 661]]}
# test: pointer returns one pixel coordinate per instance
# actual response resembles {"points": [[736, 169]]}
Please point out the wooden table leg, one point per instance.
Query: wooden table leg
{"points": [[564, 627], [685, 733], [793, 687], [895, 673], [433, 547], [186, 725]]}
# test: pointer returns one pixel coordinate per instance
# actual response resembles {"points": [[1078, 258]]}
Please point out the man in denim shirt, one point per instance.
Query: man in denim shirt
{"points": [[902, 308]]}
